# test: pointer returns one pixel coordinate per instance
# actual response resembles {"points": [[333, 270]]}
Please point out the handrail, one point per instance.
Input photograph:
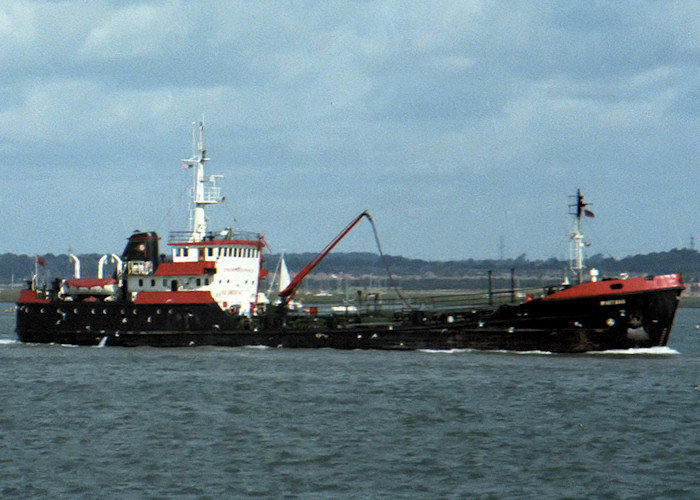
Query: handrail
{"points": [[442, 302], [211, 236]]}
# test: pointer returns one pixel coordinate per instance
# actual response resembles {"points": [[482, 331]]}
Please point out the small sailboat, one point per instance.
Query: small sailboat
{"points": [[282, 279]]}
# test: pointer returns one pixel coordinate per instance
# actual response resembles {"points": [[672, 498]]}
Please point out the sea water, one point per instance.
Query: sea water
{"points": [[201, 422]]}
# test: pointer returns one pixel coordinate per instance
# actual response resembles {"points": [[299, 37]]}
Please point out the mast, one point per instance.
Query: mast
{"points": [[576, 249], [204, 189]]}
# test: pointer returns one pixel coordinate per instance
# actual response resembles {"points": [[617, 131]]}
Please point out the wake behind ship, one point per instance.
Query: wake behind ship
{"points": [[208, 292]]}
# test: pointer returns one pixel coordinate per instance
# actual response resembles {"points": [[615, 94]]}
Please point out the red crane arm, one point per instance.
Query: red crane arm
{"points": [[289, 292]]}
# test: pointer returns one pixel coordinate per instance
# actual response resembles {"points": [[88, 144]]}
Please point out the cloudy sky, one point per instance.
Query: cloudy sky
{"points": [[462, 126]]}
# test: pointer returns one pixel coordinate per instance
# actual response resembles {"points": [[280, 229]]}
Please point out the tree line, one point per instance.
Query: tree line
{"points": [[20, 268]]}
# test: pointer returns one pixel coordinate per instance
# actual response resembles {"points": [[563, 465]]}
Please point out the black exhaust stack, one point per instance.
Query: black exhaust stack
{"points": [[142, 246]]}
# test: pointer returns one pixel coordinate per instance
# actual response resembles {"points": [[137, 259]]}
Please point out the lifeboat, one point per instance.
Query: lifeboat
{"points": [[95, 287]]}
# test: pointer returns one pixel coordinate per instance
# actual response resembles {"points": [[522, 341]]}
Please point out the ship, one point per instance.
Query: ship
{"points": [[208, 291]]}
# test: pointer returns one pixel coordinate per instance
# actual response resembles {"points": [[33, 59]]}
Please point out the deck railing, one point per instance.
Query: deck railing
{"points": [[208, 194], [212, 236], [442, 302]]}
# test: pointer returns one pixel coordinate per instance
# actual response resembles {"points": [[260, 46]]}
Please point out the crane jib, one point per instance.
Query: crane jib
{"points": [[288, 292]]}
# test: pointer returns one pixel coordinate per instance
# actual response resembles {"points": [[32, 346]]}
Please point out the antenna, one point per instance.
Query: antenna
{"points": [[201, 142], [194, 139]]}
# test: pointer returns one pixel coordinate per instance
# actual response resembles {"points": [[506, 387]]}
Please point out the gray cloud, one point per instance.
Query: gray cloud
{"points": [[456, 123]]}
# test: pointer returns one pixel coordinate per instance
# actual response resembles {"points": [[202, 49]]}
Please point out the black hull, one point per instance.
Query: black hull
{"points": [[565, 326]]}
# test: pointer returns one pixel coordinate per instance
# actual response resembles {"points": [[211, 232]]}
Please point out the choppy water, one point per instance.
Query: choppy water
{"points": [[266, 423]]}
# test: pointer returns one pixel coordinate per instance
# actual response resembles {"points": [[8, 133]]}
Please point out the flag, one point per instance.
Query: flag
{"points": [[588, 213], [40, 261]]}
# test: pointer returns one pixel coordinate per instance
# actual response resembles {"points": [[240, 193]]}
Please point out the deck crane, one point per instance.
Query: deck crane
{"points": [[291, 289]]}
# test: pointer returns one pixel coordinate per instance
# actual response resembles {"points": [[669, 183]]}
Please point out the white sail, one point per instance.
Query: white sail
{"points": [[284, 275]]}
